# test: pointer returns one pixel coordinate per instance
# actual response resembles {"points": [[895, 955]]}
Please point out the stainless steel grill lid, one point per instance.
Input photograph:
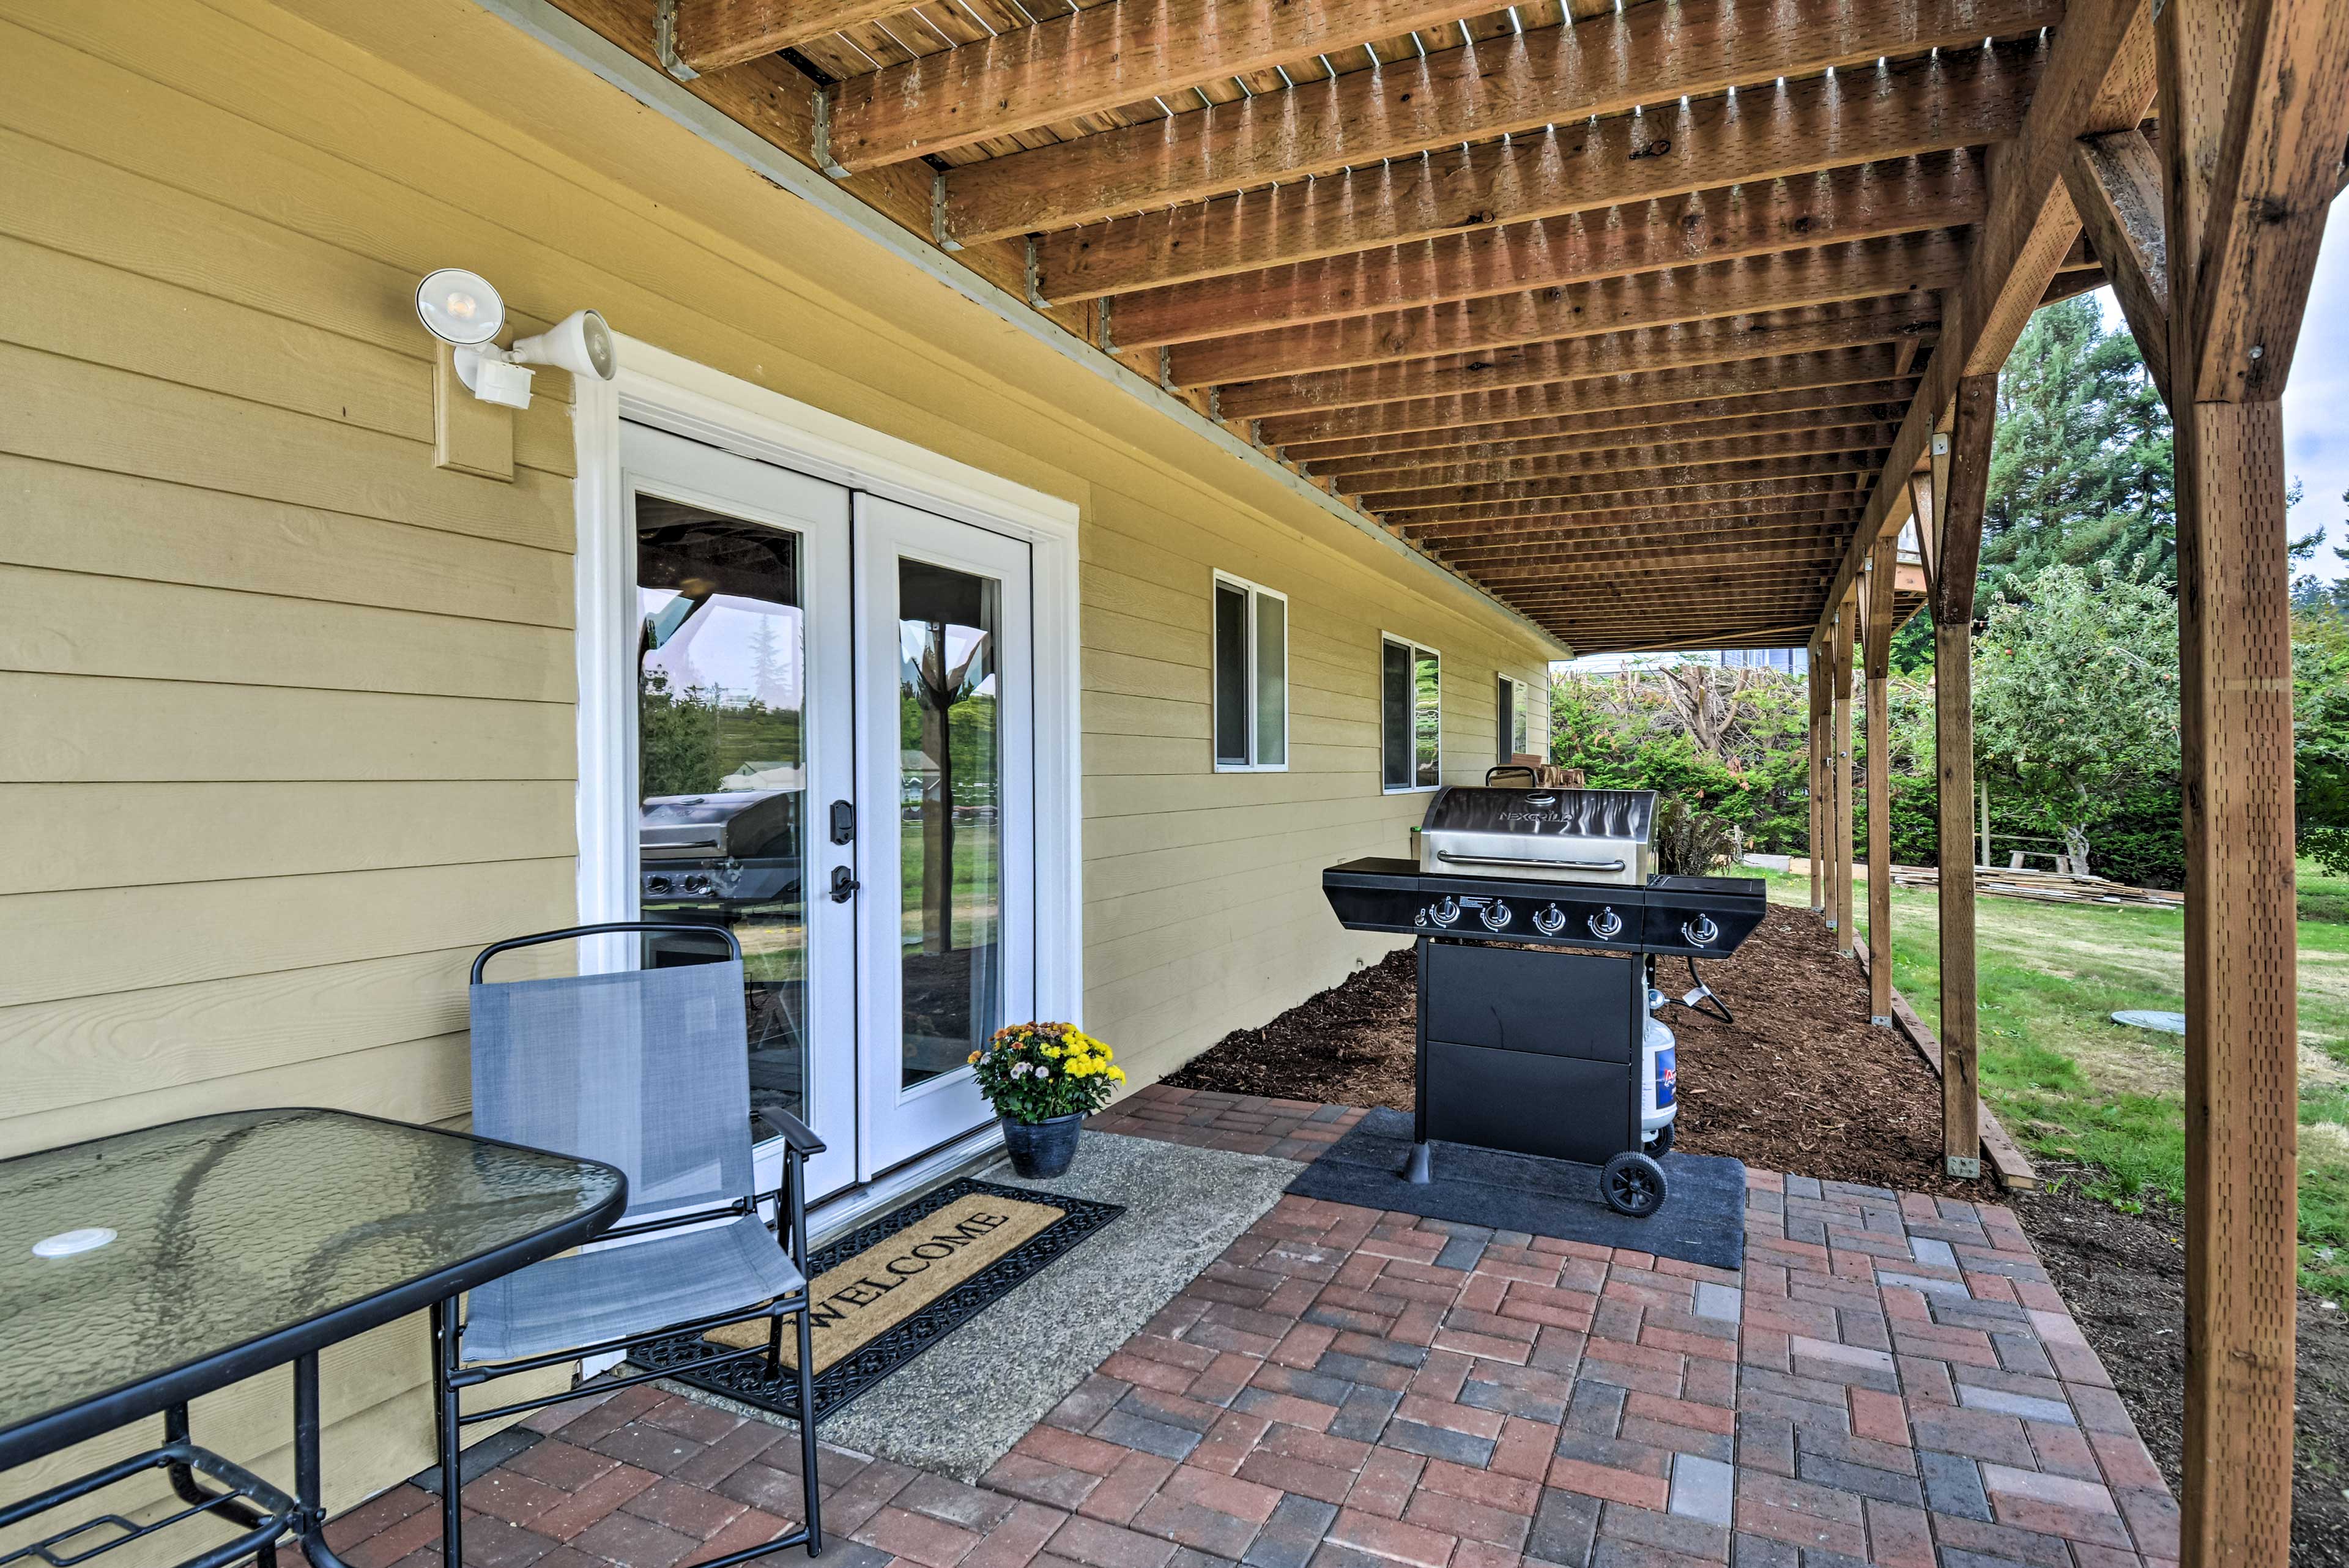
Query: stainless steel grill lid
{"points": [[1599, 836], [726, 823]]}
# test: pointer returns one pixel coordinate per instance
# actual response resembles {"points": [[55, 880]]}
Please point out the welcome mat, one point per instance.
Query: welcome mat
{"points": [[1702, 1220], [890, 1289]]}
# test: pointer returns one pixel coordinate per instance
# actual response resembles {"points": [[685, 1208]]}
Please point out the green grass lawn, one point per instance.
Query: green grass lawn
{"points": [[2067, 1081]]}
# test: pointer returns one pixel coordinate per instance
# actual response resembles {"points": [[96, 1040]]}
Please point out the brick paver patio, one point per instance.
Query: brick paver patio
{"points": [[1891, 1380]]}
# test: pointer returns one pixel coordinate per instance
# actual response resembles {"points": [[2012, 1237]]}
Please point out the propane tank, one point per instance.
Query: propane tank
{"points": [[1658, 1104]]}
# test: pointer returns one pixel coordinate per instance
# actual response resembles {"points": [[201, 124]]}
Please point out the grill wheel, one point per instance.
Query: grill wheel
{"points": [[1632, 1184]]}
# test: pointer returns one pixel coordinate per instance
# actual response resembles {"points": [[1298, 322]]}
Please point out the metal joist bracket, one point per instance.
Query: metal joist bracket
{"points": [[1036, 295], [939, 234], [1963, 1168], [665, 41], [820, 141]]}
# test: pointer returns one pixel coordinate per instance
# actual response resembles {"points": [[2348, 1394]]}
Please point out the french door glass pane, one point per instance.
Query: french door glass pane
{"points": [[950, 800], [1394, 716], [1271, 680], [1231, 675], [721, 765], [1426, 705]]}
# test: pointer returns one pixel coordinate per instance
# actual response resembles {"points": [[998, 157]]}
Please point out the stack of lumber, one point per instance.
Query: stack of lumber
{"points": [[2047, 887]]}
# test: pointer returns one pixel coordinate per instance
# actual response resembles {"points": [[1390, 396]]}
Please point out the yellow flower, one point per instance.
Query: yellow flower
{"points": [[972, 1059], [1052, 1051], [1117, 1075]]}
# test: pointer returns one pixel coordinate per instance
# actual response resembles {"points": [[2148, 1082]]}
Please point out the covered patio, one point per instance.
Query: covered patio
{"points": [[1890, 1379], [1569, 327]]}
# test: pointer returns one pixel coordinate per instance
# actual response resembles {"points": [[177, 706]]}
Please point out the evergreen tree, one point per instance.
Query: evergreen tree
{"points": [[2080, 471]]}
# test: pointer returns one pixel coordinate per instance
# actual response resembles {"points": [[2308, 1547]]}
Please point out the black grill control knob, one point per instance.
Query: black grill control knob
{"points": [[1701, 933], [1607, 925], [1495, 915], [1445, 913], [1550, 921]]}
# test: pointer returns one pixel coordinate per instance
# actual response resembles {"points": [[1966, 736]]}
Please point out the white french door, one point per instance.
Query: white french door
{"points": [[833, 758], [946, 715]]}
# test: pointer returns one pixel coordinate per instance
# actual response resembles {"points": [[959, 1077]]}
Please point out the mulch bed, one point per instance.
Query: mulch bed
{"points": [[1803, 1082], [2124, 1277]]}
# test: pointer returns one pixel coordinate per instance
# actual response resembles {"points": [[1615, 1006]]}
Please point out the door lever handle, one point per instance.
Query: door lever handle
{"points": [[843, 884]]}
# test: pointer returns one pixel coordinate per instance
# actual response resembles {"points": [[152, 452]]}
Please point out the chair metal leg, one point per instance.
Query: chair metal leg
{"points": [[808, 1490], [452, 1452], [775, 1346]]}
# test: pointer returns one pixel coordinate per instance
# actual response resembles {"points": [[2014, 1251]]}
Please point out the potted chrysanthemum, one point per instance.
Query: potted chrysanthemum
{"points": [[1043, 1080]]}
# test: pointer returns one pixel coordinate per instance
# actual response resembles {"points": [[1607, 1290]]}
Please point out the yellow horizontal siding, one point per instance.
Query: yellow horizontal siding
{"points": [[289, 711]]}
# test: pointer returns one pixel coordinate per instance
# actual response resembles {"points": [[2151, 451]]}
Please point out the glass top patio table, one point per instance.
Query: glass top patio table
{"points": [[246, 1239]]}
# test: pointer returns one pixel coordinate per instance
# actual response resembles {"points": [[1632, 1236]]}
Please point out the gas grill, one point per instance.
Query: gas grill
{"points": [[730, 846], [1539, 915]]}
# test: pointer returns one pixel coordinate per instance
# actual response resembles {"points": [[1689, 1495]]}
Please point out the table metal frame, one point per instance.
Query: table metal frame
{"points": [[264, 1514]]}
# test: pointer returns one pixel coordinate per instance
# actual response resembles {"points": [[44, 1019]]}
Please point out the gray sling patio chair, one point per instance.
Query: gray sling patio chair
{"points": [[644, 1069]]}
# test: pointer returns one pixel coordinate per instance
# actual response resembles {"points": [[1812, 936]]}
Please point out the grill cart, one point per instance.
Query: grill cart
{"points": [[1539, 915]]}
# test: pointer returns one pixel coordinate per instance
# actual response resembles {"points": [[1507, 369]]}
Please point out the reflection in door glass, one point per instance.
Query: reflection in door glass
{"points": [[721, 762], [950, 788]]}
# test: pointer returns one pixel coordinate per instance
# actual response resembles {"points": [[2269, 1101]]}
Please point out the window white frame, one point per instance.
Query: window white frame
{"points": [[1395, 639], [1252, 592], [1520, 712]]}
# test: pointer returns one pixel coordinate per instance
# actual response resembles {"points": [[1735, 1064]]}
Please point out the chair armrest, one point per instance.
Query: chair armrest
{"points": [[798, 1137]]}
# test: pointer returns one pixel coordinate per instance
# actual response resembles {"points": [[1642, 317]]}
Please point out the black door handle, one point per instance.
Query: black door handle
{"points": [[843, 884]]}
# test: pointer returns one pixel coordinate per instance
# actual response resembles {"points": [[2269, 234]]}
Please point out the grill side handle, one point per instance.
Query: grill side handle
{"points": [[1449, 858]]}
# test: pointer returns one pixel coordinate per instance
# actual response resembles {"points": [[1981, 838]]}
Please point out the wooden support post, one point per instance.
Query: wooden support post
{"points": [[1816, 844], [2254, 111], [1877, 627], [1960, 496], [1839, 763]]}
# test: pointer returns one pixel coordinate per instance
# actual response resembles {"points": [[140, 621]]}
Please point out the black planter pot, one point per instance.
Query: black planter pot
{"points": [[1040, 1149]]}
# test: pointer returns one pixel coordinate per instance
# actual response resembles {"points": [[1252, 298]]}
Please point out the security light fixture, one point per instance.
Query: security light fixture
{"points": [[463, 310]]}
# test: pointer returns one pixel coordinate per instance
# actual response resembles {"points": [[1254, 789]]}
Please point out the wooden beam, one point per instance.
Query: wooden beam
{"points": [[1605, 429], [1840, 765], [714, 33], [1800, 212], [1677, 345], [1814, 842], [2115, 182], [1514, 83], [2098, 78], [1693, 454], [2254, 98], [1929, 541], [1780, 280], [1961, 485], [2274, 149], [1723, 482], [1440, 206], [1537, 519], [1743, 378], [1877, 624], [1087, 61], [1841, 430]]}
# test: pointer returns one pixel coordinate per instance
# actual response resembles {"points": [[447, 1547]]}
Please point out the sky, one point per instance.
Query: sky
{"points": [[2316, 398]]}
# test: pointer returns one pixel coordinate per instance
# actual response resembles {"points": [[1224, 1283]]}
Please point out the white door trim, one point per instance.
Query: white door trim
{"points": [[662, 389]]}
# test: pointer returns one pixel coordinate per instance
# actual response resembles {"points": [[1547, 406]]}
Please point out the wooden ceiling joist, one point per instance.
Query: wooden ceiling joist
{"points": [[1816, 547], [1537, 519], [1608, 65], [1676, 345], [1810, 442], [711, 35], [1963, 98], [1800, 212], [1101, 58], [1732, 379], [1605, 429], [1782, 280], [1625, 535], [1720, 482]]}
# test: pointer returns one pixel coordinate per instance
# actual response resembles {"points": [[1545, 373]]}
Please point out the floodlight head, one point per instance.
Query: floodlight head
{"points": [[579, 343], [460, 308]]}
